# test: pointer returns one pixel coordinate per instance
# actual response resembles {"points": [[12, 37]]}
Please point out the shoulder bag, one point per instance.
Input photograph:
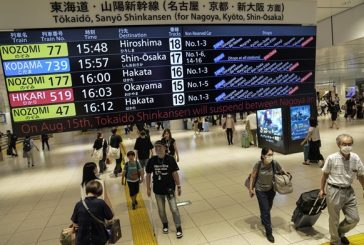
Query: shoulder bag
{"points": [[99, 154], [282, 182], [247, 181], [113, 227], [113, 153]]}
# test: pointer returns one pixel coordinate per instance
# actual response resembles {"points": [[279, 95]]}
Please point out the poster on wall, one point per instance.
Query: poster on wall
{"points": [[299, 121], [270, 125]]}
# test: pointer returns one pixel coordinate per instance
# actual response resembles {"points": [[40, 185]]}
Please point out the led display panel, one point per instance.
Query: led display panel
{"points": [[75, 79]]}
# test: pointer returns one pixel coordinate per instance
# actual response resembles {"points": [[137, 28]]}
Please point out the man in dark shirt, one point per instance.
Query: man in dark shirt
{"points": [[165, 180], [143, 147], [115, 142]]}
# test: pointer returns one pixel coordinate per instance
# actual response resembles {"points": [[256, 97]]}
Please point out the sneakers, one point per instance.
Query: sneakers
{"points": [[165, 228], [270, 238], [179, 233], [344, 240]]}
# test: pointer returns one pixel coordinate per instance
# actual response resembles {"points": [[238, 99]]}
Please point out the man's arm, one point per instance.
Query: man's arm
{"points": [[176, 181], [148, 178], [323, 183]]}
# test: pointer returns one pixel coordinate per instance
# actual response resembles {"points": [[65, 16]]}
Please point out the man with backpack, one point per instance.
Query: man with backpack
{"points": [[28, 145]]}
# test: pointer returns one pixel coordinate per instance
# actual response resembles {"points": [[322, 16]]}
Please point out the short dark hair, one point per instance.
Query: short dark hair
{"points": [[113, 130], [130, 153], [265, 151], [94, 187], [313, 122]]}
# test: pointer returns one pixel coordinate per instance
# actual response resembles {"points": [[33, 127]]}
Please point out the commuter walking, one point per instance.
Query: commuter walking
{"points": [[134, 174], [12, 138], [89, 173], [144, 148], [339, 172], [99, 151], [45, 139], [89, 230], [323, 105], [165, 179], [229, 126], [261, 185], [314, 141], [251, 122], [170, 143], [28, 147], [115, 147], [334, 109]]}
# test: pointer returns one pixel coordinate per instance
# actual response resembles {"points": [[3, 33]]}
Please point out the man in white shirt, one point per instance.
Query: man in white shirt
{"points": [[251, 119], [339, 172]]}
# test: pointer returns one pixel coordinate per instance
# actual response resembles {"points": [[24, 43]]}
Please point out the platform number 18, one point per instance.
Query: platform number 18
{"points": [[175, 44]]}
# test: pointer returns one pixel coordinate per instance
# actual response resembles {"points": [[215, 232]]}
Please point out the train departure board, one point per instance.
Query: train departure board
{"points": [[74, 79]]}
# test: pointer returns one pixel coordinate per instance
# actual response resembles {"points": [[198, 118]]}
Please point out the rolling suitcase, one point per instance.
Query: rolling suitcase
{"points": [[245, 143], [308, 209], [306, 148]]}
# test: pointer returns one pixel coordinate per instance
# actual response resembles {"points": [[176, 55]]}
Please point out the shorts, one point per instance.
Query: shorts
{"points": [[133, 188]]}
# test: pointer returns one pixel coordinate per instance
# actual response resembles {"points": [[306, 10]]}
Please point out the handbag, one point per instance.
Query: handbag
{"points": [[99, 154], [68, 236], [282, 182], [114, 153], [112, 227]]}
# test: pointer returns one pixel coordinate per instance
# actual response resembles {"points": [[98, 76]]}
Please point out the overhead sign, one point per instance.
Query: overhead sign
{"points": [[20, 14], [73, 79]]}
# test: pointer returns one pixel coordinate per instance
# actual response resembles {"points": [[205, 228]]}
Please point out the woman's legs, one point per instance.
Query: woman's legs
{"points": [[265, 200]]}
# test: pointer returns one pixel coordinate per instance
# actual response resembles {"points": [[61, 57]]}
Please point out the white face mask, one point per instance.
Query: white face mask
{"points": [[346, 149], [269, 159]]}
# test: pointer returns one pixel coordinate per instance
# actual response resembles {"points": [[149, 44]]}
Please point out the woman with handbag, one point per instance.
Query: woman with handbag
{"points": [[99, 151], [87, 215], [89, 174], [261, 185]]}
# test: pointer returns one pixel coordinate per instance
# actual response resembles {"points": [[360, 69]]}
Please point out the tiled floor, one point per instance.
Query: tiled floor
{"points": [[35, 204]]}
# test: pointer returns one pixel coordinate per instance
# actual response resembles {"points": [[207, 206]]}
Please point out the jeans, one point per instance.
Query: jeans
{"points": [[45, 142], [265, 200], [172, 206], [229, 135]]}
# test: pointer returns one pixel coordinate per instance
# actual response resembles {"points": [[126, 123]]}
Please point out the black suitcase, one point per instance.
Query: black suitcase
{"points": [[308, 210]]}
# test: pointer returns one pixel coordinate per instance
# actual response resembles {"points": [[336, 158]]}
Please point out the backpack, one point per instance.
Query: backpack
{"points": [[26, 145]]}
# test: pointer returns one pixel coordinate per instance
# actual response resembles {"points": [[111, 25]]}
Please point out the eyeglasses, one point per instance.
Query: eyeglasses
{"points": [[346, 144]]}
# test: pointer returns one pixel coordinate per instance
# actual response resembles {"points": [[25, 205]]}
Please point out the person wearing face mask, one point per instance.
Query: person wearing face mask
{"points": [[261, 185], [165, 182], [339, 172]]}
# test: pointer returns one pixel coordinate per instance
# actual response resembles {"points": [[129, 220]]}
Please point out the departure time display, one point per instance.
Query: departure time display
{"points": [[72, 79]]}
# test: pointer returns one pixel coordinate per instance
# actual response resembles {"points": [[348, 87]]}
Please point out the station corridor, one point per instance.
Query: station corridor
{"points": [[36, 203]]}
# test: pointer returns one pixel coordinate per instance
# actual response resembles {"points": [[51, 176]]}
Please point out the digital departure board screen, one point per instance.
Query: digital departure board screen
{"points": [[74, 79]]}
